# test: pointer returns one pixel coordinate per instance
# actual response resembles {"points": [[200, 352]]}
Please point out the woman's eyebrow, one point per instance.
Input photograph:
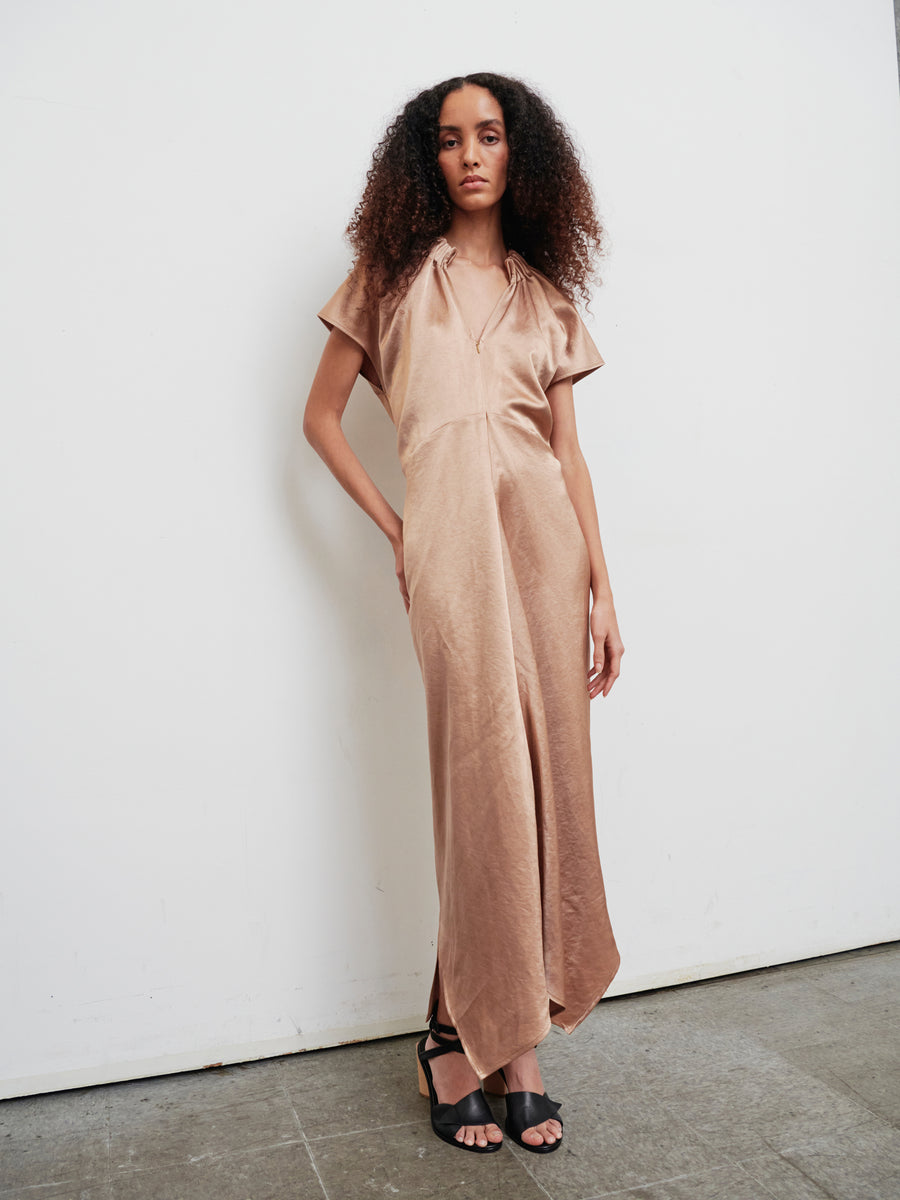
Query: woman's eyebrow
{"points": [[478, 125]]}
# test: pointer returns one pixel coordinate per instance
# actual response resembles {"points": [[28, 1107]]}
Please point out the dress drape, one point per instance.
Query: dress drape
{"points": [[498, 575]]}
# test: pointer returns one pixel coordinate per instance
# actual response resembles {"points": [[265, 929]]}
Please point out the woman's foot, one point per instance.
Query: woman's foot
{"points": [[523, 1075], [453, 1079]]}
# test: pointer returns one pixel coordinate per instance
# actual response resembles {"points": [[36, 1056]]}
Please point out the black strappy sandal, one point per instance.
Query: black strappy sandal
{"points": [[524, 1110], [448, 1119]]}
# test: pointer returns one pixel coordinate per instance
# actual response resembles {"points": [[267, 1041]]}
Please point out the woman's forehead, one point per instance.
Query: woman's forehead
{"points": [[472, 104]]}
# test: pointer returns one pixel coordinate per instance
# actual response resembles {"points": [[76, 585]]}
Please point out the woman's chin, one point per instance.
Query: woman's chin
{"points": [[475, 202]]}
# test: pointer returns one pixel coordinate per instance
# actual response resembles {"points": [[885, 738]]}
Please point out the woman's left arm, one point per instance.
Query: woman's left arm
{"points": [[608, 648]]}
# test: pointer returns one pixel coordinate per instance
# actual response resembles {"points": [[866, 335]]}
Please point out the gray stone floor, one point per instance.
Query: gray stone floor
{"points": [[782, 1083]]}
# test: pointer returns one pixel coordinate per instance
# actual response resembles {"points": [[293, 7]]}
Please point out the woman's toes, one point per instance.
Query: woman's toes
{"points": [[478, 1135], [549, 1132]]}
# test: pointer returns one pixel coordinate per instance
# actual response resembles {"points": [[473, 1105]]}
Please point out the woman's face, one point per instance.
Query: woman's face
{"points": [[473, 147]]}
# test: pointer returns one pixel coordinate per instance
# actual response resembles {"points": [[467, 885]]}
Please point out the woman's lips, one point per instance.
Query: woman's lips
{"points": [[474, 183]]}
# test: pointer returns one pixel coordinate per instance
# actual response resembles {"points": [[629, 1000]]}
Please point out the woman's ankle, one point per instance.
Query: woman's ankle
{"points": [[523, 1074]]}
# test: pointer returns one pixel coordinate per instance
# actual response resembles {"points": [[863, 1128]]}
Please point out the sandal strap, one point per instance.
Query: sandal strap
{"points": [[524, 1110], [436, 1027], [442, 1048], [445, 1034], [471, 1110]]}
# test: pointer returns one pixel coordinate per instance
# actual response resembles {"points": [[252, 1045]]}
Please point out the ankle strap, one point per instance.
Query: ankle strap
{"points": [[441, 1033], [442, 1047], [445, 1035], [435, 1028]]}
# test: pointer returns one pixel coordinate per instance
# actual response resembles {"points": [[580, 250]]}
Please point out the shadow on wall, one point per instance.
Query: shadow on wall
{"points": [[366, 818]]}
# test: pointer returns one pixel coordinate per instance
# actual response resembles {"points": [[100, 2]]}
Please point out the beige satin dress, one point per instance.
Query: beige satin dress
{"points": [[498, 575]]}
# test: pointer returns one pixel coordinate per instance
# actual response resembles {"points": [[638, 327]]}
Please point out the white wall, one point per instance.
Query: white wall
{"points": [[217, 823]]}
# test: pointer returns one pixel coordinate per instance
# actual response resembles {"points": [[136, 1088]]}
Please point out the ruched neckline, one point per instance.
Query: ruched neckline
{"points": [[516, 266]]}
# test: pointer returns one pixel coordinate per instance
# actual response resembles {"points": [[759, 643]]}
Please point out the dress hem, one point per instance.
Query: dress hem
{"points": [[531, 1042]]}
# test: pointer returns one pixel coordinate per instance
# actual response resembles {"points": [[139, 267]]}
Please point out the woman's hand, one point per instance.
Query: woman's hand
{"points": [[608, 648], [397, 543]]}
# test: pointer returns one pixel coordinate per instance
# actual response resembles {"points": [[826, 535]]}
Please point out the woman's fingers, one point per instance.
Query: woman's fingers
{"points": [[608, 647], [607, 664], [614, 662], [400, 572], [401, 579]]}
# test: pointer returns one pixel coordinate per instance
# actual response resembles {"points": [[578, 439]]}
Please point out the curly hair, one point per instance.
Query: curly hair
{"points": [[548, 211]]}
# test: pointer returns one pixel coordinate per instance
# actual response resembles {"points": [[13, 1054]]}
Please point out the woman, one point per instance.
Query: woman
{"points": [[475, 225]]}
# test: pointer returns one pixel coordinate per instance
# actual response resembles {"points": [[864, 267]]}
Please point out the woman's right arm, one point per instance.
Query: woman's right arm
{"points": [[328, 396]]}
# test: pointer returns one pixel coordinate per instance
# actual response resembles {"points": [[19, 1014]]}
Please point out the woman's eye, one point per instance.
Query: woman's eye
{"points": [[451, 143]]}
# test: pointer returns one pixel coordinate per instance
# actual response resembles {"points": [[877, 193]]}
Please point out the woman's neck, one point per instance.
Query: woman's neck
{"points": [[478, 237]]}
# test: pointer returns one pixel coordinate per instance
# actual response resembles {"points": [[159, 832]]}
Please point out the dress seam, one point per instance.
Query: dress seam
{"points": [[478, 412]]}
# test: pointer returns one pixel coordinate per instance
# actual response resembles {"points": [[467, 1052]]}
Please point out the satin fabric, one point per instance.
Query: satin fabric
{"points": [[498, 575]]}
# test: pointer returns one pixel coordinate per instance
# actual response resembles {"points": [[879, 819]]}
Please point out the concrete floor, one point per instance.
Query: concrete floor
{"points": [[782, 1083]]}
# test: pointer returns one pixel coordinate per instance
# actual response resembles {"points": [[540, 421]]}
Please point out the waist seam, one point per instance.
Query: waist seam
{"points": [[477, 413]]}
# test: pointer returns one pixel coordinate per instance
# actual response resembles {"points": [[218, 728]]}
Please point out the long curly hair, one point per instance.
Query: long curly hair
{"points": [[548, 211]]}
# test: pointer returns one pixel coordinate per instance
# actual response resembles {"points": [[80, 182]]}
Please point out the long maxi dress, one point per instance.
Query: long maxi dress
{"points": [[498, 575]]}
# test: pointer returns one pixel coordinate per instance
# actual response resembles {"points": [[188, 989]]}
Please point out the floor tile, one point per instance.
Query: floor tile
{"points": [[871, 983], [64, 1191], [721, 1183], [782, 1180], [266, 1173], [863, 1065], [361, 1086], [780, 1011], [861, 1163], [411, 1162], [617, 1137], [154, 1125], [58, 1141], [660, 1035], [747, 1109]]}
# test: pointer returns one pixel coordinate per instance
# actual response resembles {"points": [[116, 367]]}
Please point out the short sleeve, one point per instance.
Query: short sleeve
{"points": [[347, 312], [572, 347]]}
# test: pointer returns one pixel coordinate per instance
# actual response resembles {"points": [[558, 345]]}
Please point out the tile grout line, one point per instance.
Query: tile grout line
{"points": [[653, 1183], [193, 1159], [321, 1137], [856, 1098], [523, 1163], [79, 1182], [729, 1163], [759, 1182], [312, 1157], [794, 1166]]}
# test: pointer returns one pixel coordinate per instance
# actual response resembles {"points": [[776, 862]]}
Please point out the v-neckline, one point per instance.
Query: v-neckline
{"points": [[506, 294]]}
